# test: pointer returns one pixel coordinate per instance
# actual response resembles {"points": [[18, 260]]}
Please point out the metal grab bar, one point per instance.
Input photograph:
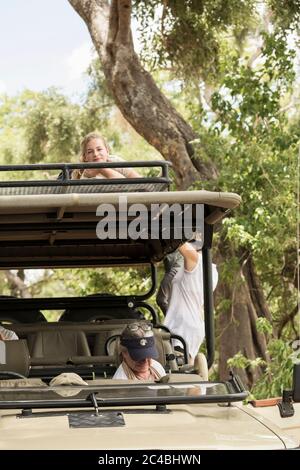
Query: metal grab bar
{"points": [[64, 178]]}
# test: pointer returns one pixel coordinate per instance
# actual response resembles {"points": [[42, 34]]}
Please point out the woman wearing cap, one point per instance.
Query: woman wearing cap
{"points": [[138, 352]]}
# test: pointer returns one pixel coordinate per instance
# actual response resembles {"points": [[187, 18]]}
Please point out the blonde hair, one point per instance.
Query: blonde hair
{"points": [[86, 139], [76, 174]]}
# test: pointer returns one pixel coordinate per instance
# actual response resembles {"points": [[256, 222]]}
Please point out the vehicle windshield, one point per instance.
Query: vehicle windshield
{"points": [[119, 394]]}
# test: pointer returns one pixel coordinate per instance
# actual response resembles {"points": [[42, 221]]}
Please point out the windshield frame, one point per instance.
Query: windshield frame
{"points": [[177, 395]]}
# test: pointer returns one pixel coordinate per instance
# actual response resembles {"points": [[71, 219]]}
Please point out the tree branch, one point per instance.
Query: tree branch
{"points": [[124, 15], [17, 284], [255, 290], [95, 14], [113, 25], [286, 319], [136, 94]]}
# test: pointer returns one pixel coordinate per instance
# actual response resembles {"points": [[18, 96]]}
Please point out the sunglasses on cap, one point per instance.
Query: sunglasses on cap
{"points": [[139, 326]]}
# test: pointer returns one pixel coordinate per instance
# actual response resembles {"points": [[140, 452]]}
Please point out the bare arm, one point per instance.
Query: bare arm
{"points": [[190, 256], [132, 173], [106, 172]]}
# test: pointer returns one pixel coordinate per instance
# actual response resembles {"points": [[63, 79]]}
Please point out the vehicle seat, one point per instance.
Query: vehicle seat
{"points": [[164, 346], [14, 357], [102, 339], [103, 311], [200, 366], [60, 344]]}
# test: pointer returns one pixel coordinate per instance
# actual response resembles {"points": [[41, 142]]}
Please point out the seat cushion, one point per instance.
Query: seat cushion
{"points": [[60, 344], [14, 356]]}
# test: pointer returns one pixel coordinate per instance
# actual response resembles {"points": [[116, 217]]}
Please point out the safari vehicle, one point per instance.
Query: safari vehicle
{"points": [[48, 224]]}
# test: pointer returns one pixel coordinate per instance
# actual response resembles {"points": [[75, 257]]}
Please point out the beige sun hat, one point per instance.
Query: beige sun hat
{"points": [[67, 378]]}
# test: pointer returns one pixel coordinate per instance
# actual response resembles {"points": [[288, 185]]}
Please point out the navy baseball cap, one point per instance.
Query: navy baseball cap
{"points": [[140, 348]]}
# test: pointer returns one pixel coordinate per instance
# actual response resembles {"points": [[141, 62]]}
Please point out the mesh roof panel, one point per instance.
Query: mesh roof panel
{"points": [[81, 189]]}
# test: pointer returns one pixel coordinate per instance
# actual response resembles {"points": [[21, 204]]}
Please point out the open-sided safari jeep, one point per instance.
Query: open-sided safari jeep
{"points": [[56, 223]]}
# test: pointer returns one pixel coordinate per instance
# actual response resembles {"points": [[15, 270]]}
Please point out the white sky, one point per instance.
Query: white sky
{"points": [[43, 43]]}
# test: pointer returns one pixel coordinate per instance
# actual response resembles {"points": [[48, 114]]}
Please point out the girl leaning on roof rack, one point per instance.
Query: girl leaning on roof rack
{"points": [[94, 149]]}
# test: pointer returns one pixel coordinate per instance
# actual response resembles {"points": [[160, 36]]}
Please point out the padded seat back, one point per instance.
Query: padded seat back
{"points": [[164, 346], [14, 356], [102, 338], [101, 313], [60, 344]]}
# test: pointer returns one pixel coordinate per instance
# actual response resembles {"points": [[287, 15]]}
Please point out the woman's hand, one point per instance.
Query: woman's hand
{"points": [[190, 256], [105, 172], [90, 173]]}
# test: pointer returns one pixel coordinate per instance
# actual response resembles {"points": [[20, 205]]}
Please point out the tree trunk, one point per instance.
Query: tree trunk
{"points": [[237, 332], [236, 324], [16, 283], [135, 92], [255, 290]]}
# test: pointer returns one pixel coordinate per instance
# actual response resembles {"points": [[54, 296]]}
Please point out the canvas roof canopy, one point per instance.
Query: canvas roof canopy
{"points": [[61, 229]]}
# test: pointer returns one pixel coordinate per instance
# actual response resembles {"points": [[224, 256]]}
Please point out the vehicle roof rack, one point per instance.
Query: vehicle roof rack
{"points": [[11, 185]]}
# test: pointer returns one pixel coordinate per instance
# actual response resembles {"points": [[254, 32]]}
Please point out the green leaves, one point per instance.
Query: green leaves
{"points": [[249, 99], [286, 13], [186, 34], [264, 326], [241, 362], [278, 372]]}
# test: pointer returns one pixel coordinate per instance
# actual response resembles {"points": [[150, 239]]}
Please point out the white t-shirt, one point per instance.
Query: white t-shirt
{"points": [[120, 373], [185, 314], [7, 334]]}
